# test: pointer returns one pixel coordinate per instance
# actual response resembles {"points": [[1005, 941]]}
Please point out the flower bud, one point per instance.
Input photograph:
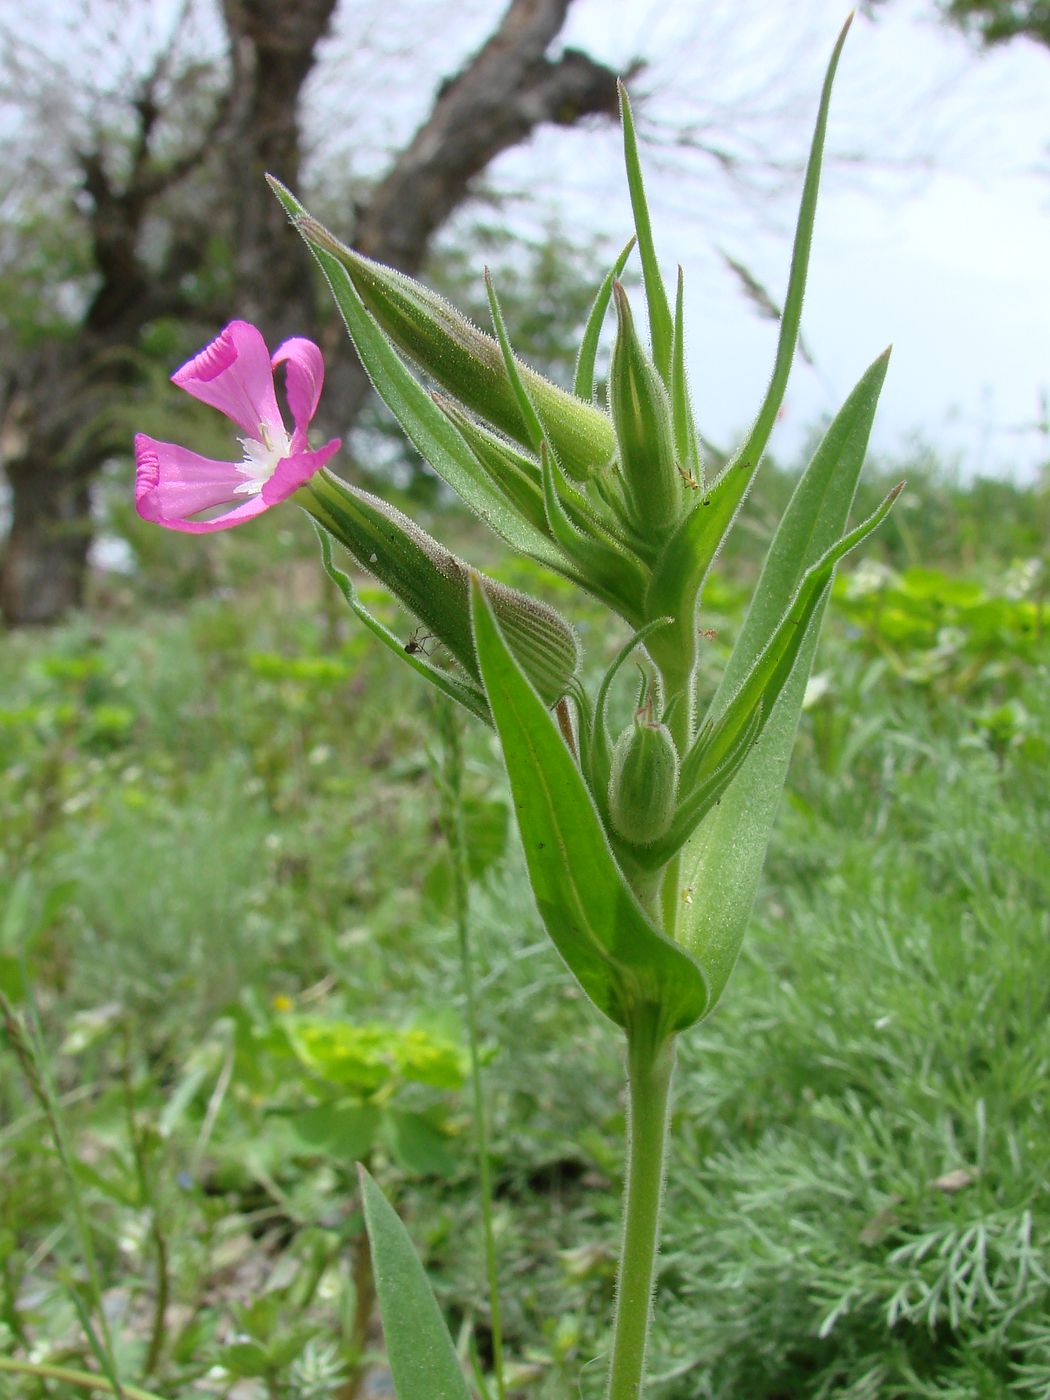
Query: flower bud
{"points": [[643, 782], [434, 585], [641, 412], [467, 362]]}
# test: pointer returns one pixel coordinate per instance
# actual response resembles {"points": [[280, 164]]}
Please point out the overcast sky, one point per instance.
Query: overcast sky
{"points": [[934, 226], [933, 231], [950, 263]]}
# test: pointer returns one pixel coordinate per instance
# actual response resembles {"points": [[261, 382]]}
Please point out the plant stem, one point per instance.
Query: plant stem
{"points": [[455, 836], [27, 1041], [682, 723], [84, 1379], [650, 1063]]}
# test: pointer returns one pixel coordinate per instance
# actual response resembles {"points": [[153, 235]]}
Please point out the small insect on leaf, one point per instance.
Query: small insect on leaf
{"points": [[417, 643]]}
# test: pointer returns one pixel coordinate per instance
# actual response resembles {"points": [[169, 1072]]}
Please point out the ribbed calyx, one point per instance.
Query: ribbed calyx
{"points": [[467, 362], [434, 585]]}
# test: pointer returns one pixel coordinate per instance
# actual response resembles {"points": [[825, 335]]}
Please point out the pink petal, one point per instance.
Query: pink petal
{"points": [[293, 472], [253, 505], [233, 374], [304, 377], [172, 484]]}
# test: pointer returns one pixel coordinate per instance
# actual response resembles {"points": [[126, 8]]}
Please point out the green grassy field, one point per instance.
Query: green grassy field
{"points": [[226, 929]]}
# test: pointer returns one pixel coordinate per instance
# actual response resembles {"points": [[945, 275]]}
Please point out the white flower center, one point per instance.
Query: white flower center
{"points": [[261, 456]]}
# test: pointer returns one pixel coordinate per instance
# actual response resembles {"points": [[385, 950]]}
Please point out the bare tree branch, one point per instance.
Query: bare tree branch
{"points": [[506, 90]]}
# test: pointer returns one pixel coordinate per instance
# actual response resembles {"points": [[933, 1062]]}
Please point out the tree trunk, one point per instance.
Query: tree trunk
{"points": [[273, 47], [45, 562]]}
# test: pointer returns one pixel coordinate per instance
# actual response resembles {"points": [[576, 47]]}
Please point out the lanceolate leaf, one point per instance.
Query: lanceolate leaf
{"points": [[755, 444], [621, 960], [689, 553], [517, 476], [722, 862], [769, 674], [606, 569], [422, 1357], [812, 524], [682, 568], [723, 747]]}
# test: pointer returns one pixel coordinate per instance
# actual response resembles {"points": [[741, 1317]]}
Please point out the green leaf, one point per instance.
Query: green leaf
{"points": [[812, 525], [421, 1354], [343, 1132], [661, 328], [759, 692], [418, 1145], [679, 573], [751, 451], [516, 474], [620, 959], [682, 567], [245, 1359], [583, 383], [722, 862]]}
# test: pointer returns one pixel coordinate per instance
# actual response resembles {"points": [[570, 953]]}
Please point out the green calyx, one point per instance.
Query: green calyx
{"points": [[642, 418], [466, 361], [643, 784], [433, 584]]}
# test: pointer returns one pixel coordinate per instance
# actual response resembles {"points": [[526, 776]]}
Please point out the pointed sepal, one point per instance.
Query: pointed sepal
{"points": [[642, 418]]}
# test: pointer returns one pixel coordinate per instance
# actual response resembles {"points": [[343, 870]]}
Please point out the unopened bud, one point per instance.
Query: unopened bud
{"points": [[641, 412], [643, 783]]}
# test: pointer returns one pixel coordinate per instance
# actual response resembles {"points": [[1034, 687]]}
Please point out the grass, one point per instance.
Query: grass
{"points": [[220, 836]]}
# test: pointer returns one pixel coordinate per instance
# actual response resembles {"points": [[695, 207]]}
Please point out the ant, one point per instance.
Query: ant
{"points": [[417, 644]]}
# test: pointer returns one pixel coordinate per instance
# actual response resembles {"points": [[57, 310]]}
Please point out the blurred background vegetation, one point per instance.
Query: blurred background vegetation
{"points": [[225, 914]]}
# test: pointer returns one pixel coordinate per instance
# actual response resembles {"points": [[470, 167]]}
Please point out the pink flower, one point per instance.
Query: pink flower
{"points": [[235, 375]]}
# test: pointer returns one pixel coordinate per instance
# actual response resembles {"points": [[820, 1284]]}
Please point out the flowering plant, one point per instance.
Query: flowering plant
{"points": [[643, 849]]}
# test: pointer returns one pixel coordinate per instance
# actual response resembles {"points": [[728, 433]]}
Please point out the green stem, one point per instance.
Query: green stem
{"points": [[452, 820], [681, 725], [86, 1380], [650, 1063], [27, 1041]]}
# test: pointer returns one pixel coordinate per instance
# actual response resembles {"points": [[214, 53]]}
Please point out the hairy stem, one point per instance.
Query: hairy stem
{"points": [[650, 1063]]}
